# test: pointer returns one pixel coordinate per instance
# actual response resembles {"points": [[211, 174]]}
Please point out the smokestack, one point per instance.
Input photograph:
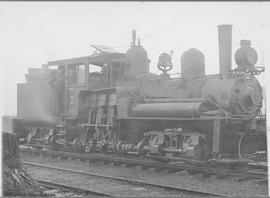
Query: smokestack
{"points": [[225, 48]]}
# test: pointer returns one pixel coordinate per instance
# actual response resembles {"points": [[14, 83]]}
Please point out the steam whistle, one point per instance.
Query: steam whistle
{"points": [[133, 43]]}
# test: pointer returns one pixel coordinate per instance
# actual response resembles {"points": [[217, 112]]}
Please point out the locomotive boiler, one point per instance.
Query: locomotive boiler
{"points": [[126, 108]]}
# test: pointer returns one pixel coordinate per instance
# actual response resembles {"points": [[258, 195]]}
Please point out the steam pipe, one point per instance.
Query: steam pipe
{"points": [[225, 48]]}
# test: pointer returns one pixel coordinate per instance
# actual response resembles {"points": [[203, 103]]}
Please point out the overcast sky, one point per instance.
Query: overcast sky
{"points": [[33, 33]]}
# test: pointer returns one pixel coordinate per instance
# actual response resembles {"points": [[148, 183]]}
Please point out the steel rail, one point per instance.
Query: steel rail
{"points": [[54, 185], [138, 182], [147, 163], [132, 161]]}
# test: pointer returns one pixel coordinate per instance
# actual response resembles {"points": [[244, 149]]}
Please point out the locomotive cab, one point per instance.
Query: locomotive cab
{"points": [[77, 74]]}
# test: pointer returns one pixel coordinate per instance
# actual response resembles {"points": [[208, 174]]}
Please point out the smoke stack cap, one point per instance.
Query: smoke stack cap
{"points": [[245, 43]]}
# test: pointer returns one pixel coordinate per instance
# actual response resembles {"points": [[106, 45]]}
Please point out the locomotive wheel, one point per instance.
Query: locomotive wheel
{"points": [[53, 144], [104, 146], [118, 146], [88, 148], [200, 152], [91, 145], [76, 146]]}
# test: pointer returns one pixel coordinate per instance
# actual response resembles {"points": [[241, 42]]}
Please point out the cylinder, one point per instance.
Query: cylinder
{"points": [[225, 48], [170, 110]]}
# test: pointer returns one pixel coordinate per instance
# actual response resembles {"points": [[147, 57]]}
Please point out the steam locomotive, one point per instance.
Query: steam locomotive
{"points": [[68, 105]]}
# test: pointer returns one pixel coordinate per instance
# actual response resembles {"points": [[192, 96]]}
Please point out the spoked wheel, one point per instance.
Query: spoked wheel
{"points": [[91, 145], [53, 144], [198, 152], [76, 146], [32, 143]]}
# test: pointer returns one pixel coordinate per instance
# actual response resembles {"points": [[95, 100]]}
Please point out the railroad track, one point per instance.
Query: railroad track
{"points": [[69, 188], [261, 176], [185, 190], [129, 161]]}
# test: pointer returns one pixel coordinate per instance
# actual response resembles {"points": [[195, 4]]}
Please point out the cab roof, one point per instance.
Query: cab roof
{"points": [[98, 59]]}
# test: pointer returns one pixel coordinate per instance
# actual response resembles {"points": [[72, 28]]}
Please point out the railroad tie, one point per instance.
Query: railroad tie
{"points": [[53, 155], [64, 158], [261, 181], [182, 172], [222, 176], [41, 155], [145, 167], [191, 172], [115, 163], [158, 169], [129, 165], [106, 162], [206, 175], [170, 171], [213, 176], [240, 179]]}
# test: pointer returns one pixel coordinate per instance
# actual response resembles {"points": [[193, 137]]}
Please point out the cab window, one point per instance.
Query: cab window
{"points": [[76, 75]]}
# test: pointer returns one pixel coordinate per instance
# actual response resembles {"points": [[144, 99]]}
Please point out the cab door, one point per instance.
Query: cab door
{"points": [[76, 81]]}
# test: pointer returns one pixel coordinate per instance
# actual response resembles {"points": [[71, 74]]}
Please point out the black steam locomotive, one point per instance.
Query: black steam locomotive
{"points": [[122, 107]]}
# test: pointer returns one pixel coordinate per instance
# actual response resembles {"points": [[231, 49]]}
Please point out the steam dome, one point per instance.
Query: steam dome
{"points": [[137, 60], [192, 63]]}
